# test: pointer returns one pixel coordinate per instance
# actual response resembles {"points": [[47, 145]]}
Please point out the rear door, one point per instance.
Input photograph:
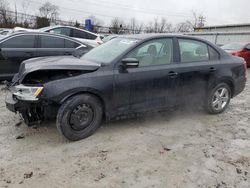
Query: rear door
{"points": [[14, 50], [55, 46], [198, 63]]}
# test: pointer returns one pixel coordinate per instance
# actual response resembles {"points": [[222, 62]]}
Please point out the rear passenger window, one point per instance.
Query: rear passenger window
{"points": [[71, 44], [213, 54], [61, 31], [91, 36], [52, 42], [79, 34], [193, 51], [23, 41]]}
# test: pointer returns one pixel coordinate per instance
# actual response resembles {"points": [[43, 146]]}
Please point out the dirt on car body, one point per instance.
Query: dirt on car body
{"points": [[172, 149]]}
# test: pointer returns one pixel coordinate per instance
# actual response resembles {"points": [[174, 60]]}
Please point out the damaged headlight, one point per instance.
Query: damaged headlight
{"points": [[27, 93]]}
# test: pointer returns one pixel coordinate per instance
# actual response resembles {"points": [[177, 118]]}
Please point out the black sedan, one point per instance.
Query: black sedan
{"points": [[18, 47], [126, 76]]}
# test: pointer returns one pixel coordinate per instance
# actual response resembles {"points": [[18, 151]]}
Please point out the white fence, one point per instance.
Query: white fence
{"points": [[221, 38]]}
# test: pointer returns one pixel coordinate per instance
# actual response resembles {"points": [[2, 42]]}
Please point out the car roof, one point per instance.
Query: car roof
{"points": [[57, 26], [144, 37], [156, 35], [149, 36], [44, 33]]}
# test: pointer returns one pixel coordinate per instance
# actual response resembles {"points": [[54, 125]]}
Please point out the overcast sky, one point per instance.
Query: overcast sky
{"points": [[217, 12]]}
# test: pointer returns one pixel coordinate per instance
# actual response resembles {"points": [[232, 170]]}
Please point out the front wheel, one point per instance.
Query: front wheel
{"points": [[79, 117], [218, 98]]}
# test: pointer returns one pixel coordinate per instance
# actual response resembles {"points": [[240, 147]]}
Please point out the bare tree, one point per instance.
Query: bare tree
{"points": [[134, 26], [183, 27], [25, 6], [197, 20], [161, 26], [116, 26], [164, 26], [49, 11], [24, 18], [5, 18]]}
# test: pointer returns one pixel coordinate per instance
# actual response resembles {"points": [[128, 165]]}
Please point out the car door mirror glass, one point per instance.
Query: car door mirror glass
{"points": [[130, 62]]}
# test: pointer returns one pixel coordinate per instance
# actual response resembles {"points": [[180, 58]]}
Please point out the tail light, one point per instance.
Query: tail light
{"points": [[245, 65]]}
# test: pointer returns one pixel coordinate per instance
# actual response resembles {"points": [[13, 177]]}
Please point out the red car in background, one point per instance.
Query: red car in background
{"points": [[240, 49]]}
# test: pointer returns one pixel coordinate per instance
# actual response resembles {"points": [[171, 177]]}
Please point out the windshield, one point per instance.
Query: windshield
{"points": [[107, 52], [233, 46]]}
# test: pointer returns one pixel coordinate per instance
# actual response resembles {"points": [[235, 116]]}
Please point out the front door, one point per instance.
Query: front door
{"points": [[153, 84]]}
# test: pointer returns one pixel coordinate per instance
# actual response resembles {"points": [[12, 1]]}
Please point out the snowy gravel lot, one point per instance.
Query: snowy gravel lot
{"points": [[171, 149]]}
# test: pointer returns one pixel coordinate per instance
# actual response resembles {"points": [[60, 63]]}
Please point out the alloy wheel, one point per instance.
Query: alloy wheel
{"points": [[220, 99]]}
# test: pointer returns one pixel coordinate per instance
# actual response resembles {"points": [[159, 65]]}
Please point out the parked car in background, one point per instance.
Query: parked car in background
{"points": [[21, 29], [5, 31], [109, 37], [79, 34], [20, 46], [240, 49], [126, 75]]}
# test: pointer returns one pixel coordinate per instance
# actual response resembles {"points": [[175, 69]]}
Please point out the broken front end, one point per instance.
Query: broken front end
{"points": [[28, 94], [27, 101]]}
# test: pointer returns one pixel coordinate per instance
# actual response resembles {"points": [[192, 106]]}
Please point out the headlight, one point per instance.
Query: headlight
{"points": [[27, 93]]}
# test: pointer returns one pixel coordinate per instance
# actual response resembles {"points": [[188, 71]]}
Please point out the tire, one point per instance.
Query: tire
{"points": [[79, 117], [218, 99]]}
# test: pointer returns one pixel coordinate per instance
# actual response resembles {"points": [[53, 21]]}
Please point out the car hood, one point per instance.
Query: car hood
{"points": [[55, 63]]}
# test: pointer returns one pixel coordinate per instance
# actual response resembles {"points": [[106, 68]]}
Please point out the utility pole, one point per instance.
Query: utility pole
{"points": [[201, 21], [15, 13]]}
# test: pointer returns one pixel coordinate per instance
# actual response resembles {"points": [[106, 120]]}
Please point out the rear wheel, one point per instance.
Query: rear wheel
{"points": [[218, 98], [79, 117]]}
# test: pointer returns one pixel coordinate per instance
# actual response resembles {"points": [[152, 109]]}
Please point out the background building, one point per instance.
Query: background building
{"points": [[224, 28], [223, 34]]}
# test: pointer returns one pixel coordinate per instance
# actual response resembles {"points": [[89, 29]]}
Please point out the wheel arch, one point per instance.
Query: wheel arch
{"points": [[225, 80], [93, 93]]}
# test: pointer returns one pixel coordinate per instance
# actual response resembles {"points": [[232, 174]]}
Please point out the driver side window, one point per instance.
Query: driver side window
{"points": [[154, 52]]}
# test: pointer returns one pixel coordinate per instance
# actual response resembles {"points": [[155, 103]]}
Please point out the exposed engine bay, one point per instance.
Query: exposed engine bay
{"points": [[41, 77]]}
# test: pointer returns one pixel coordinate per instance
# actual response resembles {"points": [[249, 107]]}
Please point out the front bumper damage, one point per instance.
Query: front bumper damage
{"points": [[33, 112], [11, 103]]}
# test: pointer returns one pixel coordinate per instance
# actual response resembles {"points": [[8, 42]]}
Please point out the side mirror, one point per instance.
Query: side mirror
{"points": [[130, 63]]}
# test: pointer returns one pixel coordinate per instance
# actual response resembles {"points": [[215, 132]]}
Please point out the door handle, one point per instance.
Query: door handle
{"points": [[172, 74], [212, 69]]}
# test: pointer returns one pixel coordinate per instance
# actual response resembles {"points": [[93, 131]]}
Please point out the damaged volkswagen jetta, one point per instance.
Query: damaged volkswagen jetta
{"points": [[125, 76]]}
